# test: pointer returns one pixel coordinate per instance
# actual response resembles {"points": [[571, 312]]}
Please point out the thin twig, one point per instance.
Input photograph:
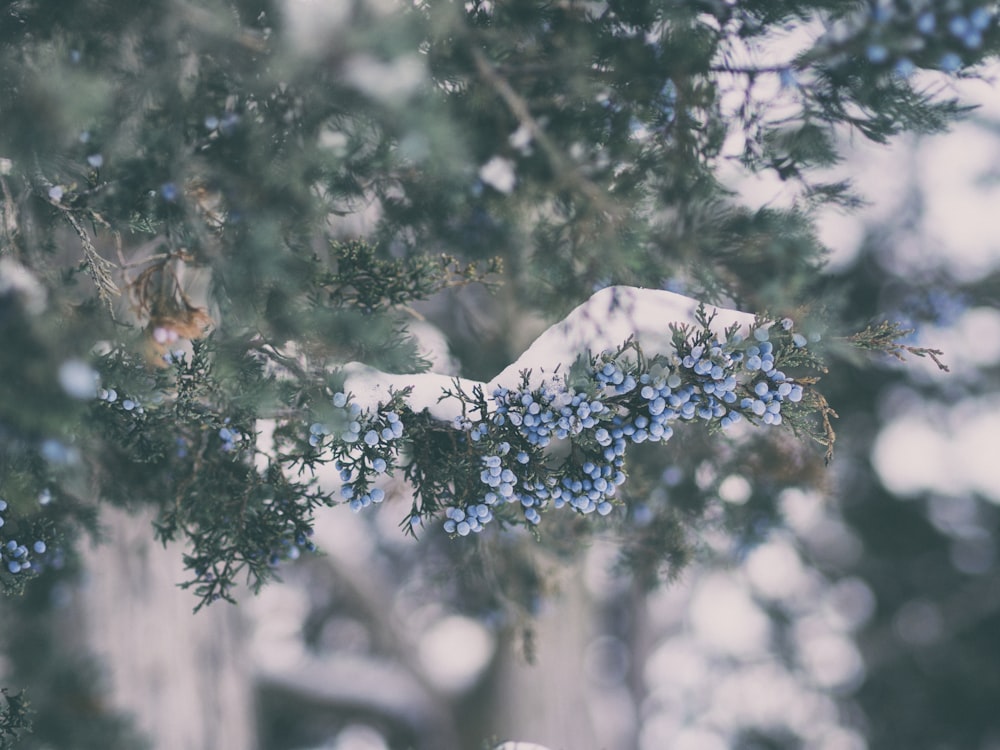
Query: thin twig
{"points": [[98, 266], [568, 171]]}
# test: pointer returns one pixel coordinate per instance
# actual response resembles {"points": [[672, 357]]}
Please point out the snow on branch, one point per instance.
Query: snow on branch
{"points": [[602, 323], [621, 369], [551, 432]]}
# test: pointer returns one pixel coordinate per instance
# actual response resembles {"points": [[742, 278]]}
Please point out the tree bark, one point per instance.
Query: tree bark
{"points": [[185, 678]]}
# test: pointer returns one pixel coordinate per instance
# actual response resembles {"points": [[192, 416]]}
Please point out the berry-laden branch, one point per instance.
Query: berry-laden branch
{"points": [[551, 431], [479, 452]]}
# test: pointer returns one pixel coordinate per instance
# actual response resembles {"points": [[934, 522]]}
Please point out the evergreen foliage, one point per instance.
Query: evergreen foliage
{"points": [[14, 717], [209, 208]]}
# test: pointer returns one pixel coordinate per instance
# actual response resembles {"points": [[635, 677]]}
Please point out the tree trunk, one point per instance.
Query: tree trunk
{"points": [[185, 678]]}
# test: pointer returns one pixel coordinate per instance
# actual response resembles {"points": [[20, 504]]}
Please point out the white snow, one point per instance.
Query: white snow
{"points": [[498, 173], [602, 323], [388, 82], [16, 279]]}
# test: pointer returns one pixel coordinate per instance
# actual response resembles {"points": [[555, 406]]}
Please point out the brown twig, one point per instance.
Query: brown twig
{"points": [[566, 170], [98, 266]]}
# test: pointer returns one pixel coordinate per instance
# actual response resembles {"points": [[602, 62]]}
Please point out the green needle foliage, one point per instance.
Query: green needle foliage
{"points": [[208, 208], [14, 717]]}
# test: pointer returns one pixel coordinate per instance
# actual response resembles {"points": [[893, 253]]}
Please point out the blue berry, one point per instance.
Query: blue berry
{"points": [[980, 19], [876, 53], [972, 39], [950, 62], [959, 26], [926, 23]]}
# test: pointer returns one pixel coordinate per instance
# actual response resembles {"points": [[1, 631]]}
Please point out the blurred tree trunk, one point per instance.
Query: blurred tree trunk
{"points": [[185, 678], [545, 700]]}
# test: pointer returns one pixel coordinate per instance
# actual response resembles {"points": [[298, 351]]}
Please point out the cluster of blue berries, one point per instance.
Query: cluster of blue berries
{"points": [[587, 488], [926, 37], [618, 403], [110, 395], [229, 436], [600, 407], [367, 447], [292, 549], [17, 557], [770, 394], [509, 478], [519, 479], [347, 415], [550, 412], [463, 521]]}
